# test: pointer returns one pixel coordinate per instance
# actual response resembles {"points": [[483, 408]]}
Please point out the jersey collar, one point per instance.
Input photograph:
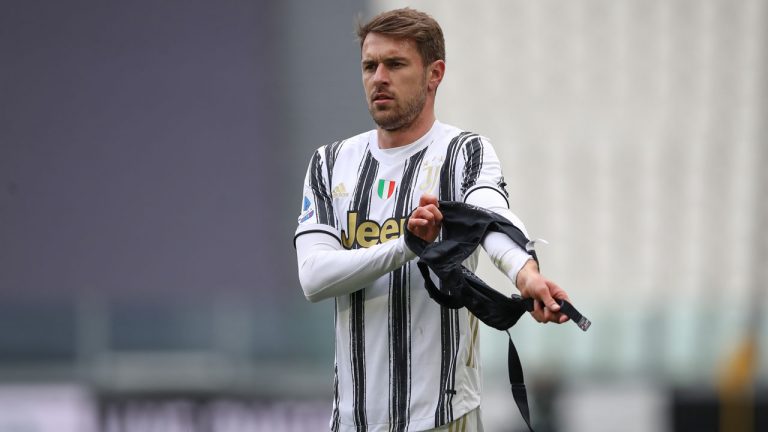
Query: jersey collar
{"points": [[400, 154]]}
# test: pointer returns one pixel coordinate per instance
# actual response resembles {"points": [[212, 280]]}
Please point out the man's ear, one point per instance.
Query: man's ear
{"points": [[435, 74]]}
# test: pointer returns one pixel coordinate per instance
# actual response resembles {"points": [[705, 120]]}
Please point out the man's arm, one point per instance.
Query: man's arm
{"points": [[482, 184], [516, 263], [328, 270]]}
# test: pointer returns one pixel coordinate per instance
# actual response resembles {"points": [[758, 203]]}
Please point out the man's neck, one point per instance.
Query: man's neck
{"points": [[409, 134]]}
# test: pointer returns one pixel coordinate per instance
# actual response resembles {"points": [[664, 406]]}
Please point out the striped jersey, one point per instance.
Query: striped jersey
{"points": [[403, 362]]}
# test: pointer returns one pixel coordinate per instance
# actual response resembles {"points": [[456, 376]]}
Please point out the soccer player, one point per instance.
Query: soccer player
{"points": [[403, 362]]}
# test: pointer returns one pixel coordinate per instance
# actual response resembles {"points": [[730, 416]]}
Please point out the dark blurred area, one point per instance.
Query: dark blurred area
{"points": [[151, 160]]}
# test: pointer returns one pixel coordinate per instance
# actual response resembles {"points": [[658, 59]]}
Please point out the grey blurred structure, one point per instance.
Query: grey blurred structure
{"points": [[151, 159]]}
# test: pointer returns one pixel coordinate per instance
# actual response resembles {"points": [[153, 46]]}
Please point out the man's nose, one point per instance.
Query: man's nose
{"points": [[381, 75]]}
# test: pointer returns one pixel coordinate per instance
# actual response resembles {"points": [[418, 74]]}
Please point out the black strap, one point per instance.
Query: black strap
{"points": [[567, 309], [571, 312], [464, 289], [515, 368], [517, 382]]}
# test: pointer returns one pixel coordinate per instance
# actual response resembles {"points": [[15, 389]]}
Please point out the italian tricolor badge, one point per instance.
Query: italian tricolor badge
{"points": [[386, 188]]}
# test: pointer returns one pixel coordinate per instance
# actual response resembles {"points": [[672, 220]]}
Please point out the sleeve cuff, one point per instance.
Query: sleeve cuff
{"points": [[516, 267], [314, 228]]}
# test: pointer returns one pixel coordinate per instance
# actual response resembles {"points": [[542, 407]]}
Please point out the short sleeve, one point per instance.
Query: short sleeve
{"points": [[317, 213], [481, 169]]}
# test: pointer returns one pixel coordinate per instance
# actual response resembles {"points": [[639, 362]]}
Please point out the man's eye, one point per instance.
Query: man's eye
{"points": [[368, 67]]}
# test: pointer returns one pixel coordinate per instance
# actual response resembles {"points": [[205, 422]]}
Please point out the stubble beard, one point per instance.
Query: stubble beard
{"points": [[399, 117]]}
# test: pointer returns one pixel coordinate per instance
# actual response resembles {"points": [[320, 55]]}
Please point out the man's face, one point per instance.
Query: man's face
{"points": [[395, 80]]}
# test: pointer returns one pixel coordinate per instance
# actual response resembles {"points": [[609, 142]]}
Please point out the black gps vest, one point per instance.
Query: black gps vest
{"points": [[463, 228]]}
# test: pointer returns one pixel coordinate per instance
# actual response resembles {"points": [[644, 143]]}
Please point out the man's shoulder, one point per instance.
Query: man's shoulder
{"points": [[358, 141], [451, 133], [448, 129]]}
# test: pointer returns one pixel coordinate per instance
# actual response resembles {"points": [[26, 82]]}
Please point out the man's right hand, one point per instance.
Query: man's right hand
{"points": [[426, 220]]}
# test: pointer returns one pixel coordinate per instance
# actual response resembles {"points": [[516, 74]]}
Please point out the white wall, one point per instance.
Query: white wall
{"points": [[631, 133]]}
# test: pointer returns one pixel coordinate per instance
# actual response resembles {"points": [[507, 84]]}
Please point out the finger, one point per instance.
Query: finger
{"points": [[545, 295], [557, 292], [435, 214], [416, 224], [420, 222], [549, 316], [427, 199], [547, 299], [438, 216], [537, 313], [559, 318], [421, 214], [427, 211]]}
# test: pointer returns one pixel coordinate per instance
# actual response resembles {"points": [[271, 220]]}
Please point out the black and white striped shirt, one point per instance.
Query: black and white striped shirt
{"points": [[403, 362]]}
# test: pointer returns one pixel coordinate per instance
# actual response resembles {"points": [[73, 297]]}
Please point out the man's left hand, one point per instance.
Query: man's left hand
{"points": [[543, 291]]}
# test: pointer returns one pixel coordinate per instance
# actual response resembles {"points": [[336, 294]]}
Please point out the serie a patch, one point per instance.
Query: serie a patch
{"points": [[306, 210]]}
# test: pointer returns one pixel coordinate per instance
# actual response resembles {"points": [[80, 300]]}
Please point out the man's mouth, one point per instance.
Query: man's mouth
{"points": [[382, 97]]}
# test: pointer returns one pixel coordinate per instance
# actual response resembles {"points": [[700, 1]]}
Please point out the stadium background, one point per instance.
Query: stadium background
{"points": [[151, 159]]}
